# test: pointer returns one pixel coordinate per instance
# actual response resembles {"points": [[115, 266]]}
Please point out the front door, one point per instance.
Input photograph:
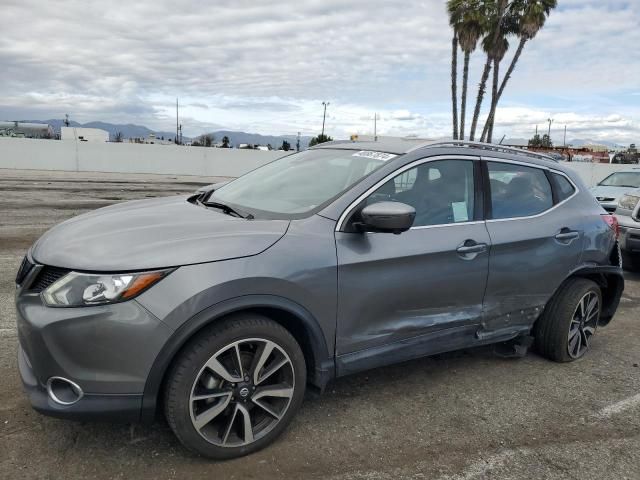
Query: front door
{"points": [[419, 292]]}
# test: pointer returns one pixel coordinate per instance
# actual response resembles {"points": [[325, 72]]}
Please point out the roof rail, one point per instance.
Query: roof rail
{"points": [[487, 146]]}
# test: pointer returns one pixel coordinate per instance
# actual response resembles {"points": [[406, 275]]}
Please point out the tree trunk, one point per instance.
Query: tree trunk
{"points": [[463, 101], [512, 66], [481, 89], [487, 133], [454, 84]]}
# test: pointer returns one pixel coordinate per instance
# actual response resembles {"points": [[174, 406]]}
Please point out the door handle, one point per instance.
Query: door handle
{"points": [[565, 235], [468, 248]]}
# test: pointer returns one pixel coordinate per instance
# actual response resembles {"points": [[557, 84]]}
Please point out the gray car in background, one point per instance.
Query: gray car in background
{"points": [[609, 191], [628, 215], [221, 308]]}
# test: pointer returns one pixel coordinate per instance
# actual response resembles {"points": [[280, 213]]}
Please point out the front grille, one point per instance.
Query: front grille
{"points": [[23, 271], [46, 277]]}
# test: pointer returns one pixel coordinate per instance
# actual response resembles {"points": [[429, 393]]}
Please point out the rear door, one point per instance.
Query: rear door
{"points": [[537, 239], [406, 295]]}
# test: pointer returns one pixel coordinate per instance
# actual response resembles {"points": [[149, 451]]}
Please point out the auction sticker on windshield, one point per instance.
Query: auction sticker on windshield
{"points": [[374, 155]]}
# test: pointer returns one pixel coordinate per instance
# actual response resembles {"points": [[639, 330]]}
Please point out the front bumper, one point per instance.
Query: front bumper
{"points": [[123, 408], [629, 234], [609, 206], [107, 350]]}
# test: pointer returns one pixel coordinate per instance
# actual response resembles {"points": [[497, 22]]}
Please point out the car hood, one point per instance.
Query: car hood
{"points": [[156, 233], [609, 192]]}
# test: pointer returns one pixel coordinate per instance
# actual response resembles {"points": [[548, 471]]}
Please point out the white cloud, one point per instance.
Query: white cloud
{"points": [[260, 66]]}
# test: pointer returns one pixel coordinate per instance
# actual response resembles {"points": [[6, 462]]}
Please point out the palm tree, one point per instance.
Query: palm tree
{"points": [[454, 83], [532, 15], [497, 50], [465, 16], [494, 14]]}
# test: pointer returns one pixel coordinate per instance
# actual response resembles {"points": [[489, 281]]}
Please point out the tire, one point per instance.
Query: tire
{"points": [[563, 320], [207, 401]]}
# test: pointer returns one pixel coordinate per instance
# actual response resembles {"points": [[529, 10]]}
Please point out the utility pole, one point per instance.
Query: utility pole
{"points": [[324, 115], [180, 130], [298, 143], [177, 126], [375, 127], [564, 142], [550, 120]]}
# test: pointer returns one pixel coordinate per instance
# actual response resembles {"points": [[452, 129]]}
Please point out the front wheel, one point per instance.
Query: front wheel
{"points": [[565, 331], [235, 387]]}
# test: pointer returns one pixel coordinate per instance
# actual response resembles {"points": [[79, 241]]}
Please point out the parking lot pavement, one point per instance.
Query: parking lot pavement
{"points": [[464, 415]]}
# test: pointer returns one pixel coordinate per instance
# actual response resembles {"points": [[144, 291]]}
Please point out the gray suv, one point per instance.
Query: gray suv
{"points": [[221, 308]]}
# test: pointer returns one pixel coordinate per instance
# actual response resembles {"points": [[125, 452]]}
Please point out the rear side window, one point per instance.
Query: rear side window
{"points": [[563, 186], [518, 191]]}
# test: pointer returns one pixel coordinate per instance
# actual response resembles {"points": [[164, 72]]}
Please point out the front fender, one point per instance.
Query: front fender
{"points": [[323, 358]]}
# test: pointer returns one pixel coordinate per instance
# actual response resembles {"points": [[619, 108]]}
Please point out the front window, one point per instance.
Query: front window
{"points": [[441, 191], [622, 179], [298, 184]]}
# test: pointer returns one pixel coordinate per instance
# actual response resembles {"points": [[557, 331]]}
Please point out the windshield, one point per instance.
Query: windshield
{"points": [[622, 179], [299, 183]]}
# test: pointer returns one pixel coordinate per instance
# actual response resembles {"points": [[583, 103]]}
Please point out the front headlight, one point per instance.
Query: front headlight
{"points": [[628, 202], [77, 289]]}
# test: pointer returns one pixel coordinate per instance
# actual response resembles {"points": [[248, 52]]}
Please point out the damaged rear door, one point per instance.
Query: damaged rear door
{"points": [[420, 292]]}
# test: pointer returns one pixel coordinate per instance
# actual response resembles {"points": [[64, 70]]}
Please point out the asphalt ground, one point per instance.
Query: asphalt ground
{"points": [[463, 415]]}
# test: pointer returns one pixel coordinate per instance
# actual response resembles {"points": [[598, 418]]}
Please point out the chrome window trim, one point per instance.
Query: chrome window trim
{"points": [[541, 167], [400, 171]]}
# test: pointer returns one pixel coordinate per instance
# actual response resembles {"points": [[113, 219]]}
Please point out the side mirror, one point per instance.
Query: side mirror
{"points": [[392, 217]]}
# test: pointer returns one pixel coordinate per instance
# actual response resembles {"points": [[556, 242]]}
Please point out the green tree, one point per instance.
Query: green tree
{"points": [[286, 146], [468, 23], [205, 140], [535, 141], [225, 142], [320, 139], [118, 137], [531, 16], [540, 142]]}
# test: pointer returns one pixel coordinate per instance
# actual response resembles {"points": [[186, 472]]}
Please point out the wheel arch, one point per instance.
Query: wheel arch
{"points": [[610, 279], [292, 316]]}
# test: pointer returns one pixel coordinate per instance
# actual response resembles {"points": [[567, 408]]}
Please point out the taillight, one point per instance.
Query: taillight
{"points": [[612, 221]]}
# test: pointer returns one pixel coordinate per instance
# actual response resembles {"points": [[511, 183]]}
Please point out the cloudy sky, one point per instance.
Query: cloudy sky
{"points": [[266, 66]]}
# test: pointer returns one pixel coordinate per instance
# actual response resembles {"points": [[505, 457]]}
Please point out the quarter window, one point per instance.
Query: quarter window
{"points": [[563, 186], [518, 191], [441, 191]]}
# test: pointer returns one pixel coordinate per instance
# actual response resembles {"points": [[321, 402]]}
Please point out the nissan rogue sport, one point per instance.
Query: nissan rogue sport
{"points": [[219, 309]]}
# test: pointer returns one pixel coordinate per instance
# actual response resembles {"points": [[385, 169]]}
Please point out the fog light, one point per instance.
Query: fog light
{"points": [[64, 391]]}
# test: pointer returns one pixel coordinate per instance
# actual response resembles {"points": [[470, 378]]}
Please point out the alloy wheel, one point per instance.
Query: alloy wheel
{"points": [[242, 392], [583, 324]]}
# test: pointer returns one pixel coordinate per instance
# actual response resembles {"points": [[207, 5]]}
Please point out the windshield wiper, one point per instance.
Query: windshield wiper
{"points": [[228, 210]]}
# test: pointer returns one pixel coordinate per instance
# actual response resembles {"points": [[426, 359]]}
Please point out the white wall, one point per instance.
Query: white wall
{"points": [[592, 173], [27, 153], [88, 134]]}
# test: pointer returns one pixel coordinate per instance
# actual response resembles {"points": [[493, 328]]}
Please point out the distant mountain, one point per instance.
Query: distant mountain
{"points": [[237, 138], [140, 131], [577, 142], [128, 130]]}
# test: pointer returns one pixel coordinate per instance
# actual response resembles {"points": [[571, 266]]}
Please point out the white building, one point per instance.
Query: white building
{"points": [[25, 130], [82, 134]]}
